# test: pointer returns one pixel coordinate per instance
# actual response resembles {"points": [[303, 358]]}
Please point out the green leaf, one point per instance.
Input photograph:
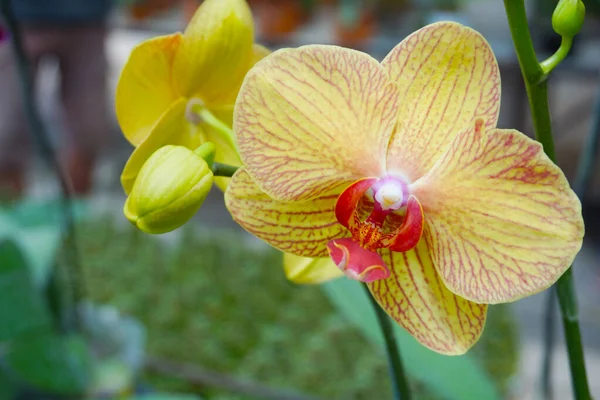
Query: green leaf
{"points": [[51, 363], [36, 227], [8, 389], [21, 306], [456, 377]]}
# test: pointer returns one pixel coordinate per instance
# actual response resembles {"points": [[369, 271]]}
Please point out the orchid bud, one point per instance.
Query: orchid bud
{"points": [[568, 17], [169, 189]]}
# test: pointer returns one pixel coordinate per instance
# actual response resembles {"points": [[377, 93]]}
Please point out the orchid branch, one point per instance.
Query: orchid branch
{"points": [[225, 170], [537, 91], [40, 134], [400, 385]]}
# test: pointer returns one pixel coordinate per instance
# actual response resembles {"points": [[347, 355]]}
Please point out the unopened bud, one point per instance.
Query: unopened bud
{"points": [[169, 190], [568, 17]]}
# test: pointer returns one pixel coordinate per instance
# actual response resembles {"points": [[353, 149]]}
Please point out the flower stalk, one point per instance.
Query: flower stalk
{"points": [[551, 62], [75, 278], [198, 114], [400, 386], [536, 85], [224, 170]]}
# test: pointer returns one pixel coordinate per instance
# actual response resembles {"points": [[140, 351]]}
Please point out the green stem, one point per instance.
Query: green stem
{"points": [[551, 62], [203, 116], [40, 134], [399, 382], [537, 92], [224, 170], [581, 184]]}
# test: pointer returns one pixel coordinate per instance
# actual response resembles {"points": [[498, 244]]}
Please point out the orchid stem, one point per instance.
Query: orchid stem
{"points": [[537, 91], [585, 170], [551, 62], [400, 385], [209, 119], [224, 170], [49, 156]]}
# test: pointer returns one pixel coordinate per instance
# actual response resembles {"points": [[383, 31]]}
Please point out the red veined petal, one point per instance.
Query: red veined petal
{"points": [[416, 297], [502, 221]]}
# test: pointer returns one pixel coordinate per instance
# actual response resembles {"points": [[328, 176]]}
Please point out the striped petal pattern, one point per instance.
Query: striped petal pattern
{"points": [[447, 75], [502, 221], [311, 119], [301, 228], [415, 297]]}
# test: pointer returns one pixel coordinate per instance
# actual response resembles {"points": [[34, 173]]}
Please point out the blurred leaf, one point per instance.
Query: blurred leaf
{"points": [[21, 306], [501, 336], [456, 377], [8, 389], [111, 376], [36, 226], [51, 363]]}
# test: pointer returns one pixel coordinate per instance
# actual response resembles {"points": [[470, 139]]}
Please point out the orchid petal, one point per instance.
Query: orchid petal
{"points": [[447, 75], [502, 222], [416, 298], [304, 270], [409, 233], [259, 52], [300, 228], [144, 90], [357, 262], [225, 110], [347, 203], [171, 128], [311, 119], [215, 52]]}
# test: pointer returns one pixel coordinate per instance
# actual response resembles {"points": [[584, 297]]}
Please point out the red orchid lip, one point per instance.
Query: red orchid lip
{"points": [[357, 262], [355, 256]]}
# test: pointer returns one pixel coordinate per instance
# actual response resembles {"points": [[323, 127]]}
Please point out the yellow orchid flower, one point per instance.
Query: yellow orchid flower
{"points": [[396, 170], [180, 89]]}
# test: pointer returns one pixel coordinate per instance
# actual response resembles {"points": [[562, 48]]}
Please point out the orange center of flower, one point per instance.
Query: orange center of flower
{"points": [[379, 213]]}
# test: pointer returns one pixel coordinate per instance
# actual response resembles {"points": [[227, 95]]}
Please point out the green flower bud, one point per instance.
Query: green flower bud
{"points": [[568, 17], [169, 190]]}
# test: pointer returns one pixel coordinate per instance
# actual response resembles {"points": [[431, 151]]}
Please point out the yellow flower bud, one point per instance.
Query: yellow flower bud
{"points": [[169, 190], [568, 17]]}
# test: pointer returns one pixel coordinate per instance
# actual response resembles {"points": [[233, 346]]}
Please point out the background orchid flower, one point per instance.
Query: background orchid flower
{"points": [[169, 80], [396, 170]]}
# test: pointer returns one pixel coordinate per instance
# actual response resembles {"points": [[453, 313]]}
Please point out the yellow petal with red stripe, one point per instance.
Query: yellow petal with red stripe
{"points": [[310, 119], [216, 51], [502, 220], [300, 228], [171, 128], [144, 91], [415, 297], [304, 270], [447, 75]]}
